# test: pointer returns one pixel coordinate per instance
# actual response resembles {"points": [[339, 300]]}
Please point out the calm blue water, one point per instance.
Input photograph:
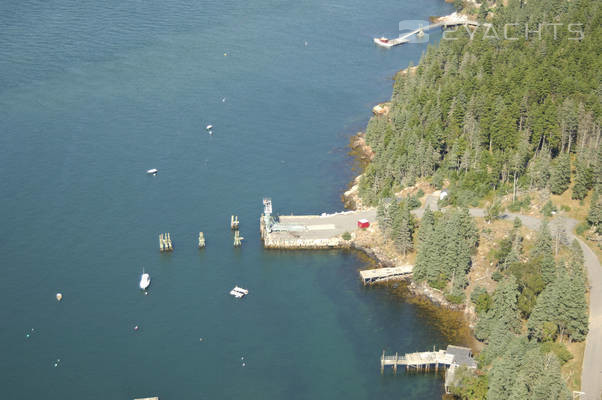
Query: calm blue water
{"points": [[94, 93]]}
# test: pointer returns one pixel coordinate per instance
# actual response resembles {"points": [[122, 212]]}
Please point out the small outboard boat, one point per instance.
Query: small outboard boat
{"points": [[144, 280]]}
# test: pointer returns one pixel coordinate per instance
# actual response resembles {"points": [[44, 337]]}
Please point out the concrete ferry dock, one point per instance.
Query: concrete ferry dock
{"points": [[323, 231]]}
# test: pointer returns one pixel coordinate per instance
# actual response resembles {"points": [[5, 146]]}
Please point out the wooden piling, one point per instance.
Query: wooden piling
{"points": [[234, 223], [237, 239]]}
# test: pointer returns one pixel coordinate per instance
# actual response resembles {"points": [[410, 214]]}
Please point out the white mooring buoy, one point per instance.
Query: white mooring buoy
{"points": [[59, 296]]}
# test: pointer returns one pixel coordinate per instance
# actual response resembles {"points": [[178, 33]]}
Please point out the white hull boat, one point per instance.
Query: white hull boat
{"points": [[144, 280], [239, 292], [152, 171]]}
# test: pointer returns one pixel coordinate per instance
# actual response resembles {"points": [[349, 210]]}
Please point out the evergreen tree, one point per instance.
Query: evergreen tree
{"points": [[426, 244], [543, 253], [550, 385], [594, 216], [503, 313], [384, 215], [583, 180], [427, 224], [444, 250], [504, 370], [403, 228], [544, 311], [547, 267], [577, 312], [543, 241], [560, 177]]}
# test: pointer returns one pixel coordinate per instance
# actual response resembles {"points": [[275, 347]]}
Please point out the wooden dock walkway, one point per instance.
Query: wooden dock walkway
{"points": [[430, 360], [421, 361], [370, 276]]}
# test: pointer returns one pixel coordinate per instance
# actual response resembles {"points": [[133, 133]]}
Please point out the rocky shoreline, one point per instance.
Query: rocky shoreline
{"points": [[351, 199], [363, 154]]}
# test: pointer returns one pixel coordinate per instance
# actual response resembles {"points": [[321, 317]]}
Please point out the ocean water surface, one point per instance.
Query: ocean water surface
{"points": [[94, 93]]}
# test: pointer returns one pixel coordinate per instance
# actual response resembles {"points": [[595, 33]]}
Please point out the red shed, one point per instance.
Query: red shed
{"points": [[363, 223]]}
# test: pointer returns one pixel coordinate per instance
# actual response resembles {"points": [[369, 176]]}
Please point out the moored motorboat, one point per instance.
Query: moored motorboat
{"points": [[144, 280], [241, 290], [236, 294], [382, 41], [152, 171]]}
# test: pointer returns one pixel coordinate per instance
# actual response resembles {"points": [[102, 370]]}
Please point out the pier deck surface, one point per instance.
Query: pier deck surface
{"points": [[318, 226]]}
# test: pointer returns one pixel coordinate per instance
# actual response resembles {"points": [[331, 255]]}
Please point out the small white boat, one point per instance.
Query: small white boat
{"points": [[240, 290], [388, 43], [209, 127], [144, 280], [152, 171], [236, 294]]}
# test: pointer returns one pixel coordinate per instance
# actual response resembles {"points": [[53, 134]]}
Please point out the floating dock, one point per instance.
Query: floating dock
{"points": [[309, 231], [370, 276]]}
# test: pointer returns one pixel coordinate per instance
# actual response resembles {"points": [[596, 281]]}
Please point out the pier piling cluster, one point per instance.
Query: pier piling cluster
{"points": [[237, 239], [165, 242], [234, 222]]}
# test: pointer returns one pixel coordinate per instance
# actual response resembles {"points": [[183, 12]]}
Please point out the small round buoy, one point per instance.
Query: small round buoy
{"points": [[27, 335], [224, 100], [136, 327], [145, 293], [243, 364], [225, 54], [56, 365], [242, 358], [59, 296], [200, 339]]}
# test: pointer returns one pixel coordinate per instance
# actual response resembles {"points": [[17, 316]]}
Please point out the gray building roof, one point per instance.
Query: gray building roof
{"points": [[462, 356]]}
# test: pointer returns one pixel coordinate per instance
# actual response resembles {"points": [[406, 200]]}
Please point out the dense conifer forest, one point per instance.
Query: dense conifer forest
{"points": [[493, 115]]}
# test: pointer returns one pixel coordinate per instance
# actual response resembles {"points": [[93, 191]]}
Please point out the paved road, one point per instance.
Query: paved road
{"points": [[591, 376]]}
